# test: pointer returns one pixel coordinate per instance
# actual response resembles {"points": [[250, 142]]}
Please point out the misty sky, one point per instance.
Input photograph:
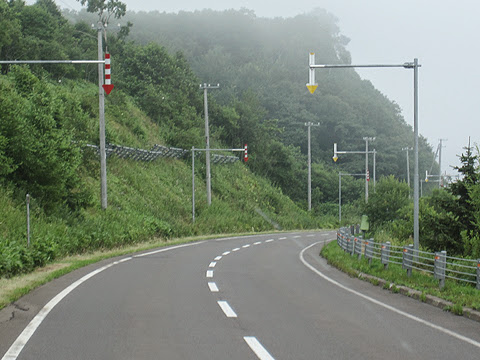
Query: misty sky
{"points": [[442, 34]]}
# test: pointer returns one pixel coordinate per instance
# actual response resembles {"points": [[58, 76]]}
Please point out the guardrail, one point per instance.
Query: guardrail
{"points": [[437, 264]]}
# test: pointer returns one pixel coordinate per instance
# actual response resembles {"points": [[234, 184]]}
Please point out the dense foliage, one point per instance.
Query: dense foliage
{"points": [[47, 115]]}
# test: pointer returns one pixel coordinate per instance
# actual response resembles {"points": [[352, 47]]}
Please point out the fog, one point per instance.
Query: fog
{"points": [[443, 35]]}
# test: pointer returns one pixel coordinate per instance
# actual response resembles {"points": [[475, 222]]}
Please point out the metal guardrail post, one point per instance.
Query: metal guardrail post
{"points": [[352, 249], [478, 274], [357, 228], [439, 267], [407, 259], [352, 230], [357, 250], [349, 244], [369, 250], [385, 254]]}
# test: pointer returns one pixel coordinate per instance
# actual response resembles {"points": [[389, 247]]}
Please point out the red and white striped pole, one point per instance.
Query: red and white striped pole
{"points": [[108, 87], [245, 158]]}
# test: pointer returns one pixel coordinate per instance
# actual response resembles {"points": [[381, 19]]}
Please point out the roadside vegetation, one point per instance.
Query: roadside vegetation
{"points": [[460, 294]]}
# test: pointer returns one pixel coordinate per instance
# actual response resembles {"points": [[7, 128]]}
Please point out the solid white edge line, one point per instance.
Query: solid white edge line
{"points": [[227, 309], [30, 329], [167, 249], [213, 287], [257, 348], [209, 274], [212, 264], [27, 333], [388, 307]]}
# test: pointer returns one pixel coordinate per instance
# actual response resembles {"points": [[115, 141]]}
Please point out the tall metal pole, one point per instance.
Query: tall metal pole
{"points": [[407, 149], [416, 227], [440, 179], [193, 184], [366, 170], [205, 87], [309, 125], [101, 107], [366, 166], [374, 169], [339, 199], [207, 142]]}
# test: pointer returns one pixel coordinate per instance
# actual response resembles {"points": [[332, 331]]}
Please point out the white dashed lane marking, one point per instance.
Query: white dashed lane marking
{"points": [[246, 246], [227, 309], [226, 253], [209, 273], [218, 258], [257, 243], [258, 348], [213, 287], [212, 264]]}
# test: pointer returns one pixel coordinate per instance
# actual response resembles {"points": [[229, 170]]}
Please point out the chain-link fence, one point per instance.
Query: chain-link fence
{"points": [[157, 151]]}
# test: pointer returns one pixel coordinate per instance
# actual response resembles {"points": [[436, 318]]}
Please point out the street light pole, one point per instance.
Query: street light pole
{"points": [[205, 88], [416, 200], [310, 124], [101, 103], [407, 65]]}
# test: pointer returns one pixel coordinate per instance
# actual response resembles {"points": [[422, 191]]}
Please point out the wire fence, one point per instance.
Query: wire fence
{"points": [[157, 151], [437, 264]]}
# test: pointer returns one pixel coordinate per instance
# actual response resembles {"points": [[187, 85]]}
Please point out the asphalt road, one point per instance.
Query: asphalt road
{"points": [[256, 297]]}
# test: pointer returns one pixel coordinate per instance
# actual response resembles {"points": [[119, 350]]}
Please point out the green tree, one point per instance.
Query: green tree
{"points": [[383, 205], [42, 158]]}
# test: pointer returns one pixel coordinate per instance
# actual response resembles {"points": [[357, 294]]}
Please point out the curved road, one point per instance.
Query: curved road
{"points": [[253, 297]]}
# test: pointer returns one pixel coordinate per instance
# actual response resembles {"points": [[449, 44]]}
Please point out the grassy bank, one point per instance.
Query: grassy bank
{"points": [[457, 293]]}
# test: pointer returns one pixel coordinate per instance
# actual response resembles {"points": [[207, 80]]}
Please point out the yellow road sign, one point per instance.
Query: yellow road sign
{"points": [[335, 158], [312, 88]]}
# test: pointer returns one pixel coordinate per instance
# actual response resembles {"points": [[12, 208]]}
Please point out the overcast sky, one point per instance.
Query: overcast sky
{"points": [[442, 34]]}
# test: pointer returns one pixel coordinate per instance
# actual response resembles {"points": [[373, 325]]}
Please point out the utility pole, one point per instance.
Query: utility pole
{"points": [[310, 124], [440, 182], [101, 107], [205, 88], [367, 174]]}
